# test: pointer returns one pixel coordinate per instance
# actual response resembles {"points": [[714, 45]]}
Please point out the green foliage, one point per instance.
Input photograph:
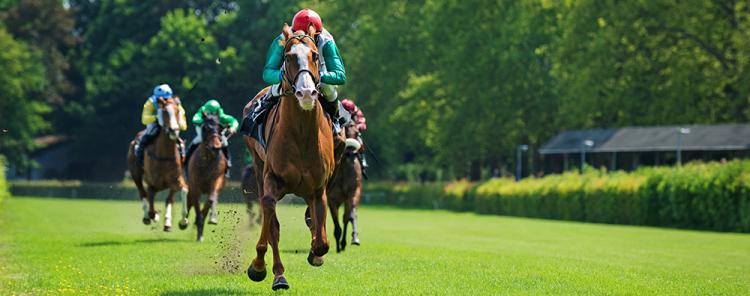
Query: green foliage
{"points": [[711, 196], [22, 117], [449, 87]]}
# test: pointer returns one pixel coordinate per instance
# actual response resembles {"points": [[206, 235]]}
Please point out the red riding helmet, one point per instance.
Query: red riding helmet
{"points": [[304, 18]]}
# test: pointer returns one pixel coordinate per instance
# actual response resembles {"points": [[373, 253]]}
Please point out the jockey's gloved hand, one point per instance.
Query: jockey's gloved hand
{"points": [[231, 131]]}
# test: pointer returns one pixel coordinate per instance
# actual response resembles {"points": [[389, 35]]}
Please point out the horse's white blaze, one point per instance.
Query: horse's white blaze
{"points": [[172, 118], [305, 82], [168, 215], [145, 208]]}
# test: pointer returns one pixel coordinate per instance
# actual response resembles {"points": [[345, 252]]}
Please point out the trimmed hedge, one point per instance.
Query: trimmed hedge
{"points": [[709, 196]]}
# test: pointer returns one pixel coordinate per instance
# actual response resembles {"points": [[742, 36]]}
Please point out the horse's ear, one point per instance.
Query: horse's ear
{"points": [[311, 31], [287, 31], [177, 100]]}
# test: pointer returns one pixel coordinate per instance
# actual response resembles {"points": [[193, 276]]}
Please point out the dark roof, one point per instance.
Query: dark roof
{"points": [[644, 139]]}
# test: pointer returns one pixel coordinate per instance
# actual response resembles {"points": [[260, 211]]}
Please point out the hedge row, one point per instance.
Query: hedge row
{"points": [[711, 196]]}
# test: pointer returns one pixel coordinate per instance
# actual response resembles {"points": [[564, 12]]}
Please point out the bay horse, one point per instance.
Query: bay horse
{"points": [[300, 156], [162, 166], [206, 168], [346, 188]]}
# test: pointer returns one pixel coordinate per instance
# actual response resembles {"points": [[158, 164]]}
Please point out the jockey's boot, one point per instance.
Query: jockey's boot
{"points": [[265, 102], [141, 145], [332, 108]]}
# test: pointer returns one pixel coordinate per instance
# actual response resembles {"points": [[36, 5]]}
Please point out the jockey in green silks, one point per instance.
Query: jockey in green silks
{"points": [[331, 68], [226, 121]]}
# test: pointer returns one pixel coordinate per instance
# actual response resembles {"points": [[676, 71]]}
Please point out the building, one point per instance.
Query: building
{"points": [[630, 147]]}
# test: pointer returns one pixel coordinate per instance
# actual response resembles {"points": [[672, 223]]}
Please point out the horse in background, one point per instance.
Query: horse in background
{"points": [[162, 166], [206, 168], [346, 188], [300, 155]]}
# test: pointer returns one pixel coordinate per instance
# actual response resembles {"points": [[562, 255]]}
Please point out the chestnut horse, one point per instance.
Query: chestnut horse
{"points": [[162, 166], [346, 188], [206, 168], [300, 157]]}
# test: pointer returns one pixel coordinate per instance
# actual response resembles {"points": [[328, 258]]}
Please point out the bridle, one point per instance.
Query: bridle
{"points": [[293, 82]]}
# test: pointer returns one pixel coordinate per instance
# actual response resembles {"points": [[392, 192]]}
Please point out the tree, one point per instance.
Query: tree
{"points": [[22, 76]]}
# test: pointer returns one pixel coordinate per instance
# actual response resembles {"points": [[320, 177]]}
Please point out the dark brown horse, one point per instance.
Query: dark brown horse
{"points": [[300, 157], [162, 166], [346, 187], [206, 168]]}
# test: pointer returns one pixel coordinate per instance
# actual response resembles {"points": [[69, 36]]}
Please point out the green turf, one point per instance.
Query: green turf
{"points": [[56, 246]]}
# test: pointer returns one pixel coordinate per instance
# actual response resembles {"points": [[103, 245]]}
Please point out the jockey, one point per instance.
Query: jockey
{"points": [[226, 121], [332, 71], [358, 118], [149, 118]]}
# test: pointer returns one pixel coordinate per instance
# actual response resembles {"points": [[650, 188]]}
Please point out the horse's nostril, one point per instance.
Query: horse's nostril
{"points": [[298, 93], [314, 93]]}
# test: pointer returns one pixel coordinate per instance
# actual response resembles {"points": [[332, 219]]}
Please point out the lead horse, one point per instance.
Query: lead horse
{"points": [[299, 158], [162, 166]]}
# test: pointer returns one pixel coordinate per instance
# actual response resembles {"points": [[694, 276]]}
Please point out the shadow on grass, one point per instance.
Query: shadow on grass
{"points": [[135, 242], [212, 291]]}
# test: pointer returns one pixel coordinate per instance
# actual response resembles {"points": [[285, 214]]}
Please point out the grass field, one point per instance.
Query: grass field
{"points": [[57, 246]]}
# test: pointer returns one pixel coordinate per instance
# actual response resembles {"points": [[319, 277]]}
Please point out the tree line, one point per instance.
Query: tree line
{"points": [[449, 88]]}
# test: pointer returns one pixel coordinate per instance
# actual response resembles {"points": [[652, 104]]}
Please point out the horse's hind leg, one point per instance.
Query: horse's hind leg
{"points": [[336, 227], [168, 211]]}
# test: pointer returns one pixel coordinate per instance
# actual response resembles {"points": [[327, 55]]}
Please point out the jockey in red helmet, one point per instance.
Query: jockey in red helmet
{"points": [[357, 118], [332, 71]]}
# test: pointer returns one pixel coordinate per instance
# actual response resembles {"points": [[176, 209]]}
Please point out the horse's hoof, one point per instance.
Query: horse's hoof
{"points": [[146, 221], [355, 241], [200, 238], [212, 221], [183, 224], [280, 283], [257, 276], [167, 228], [314, 260], [156, 217]]}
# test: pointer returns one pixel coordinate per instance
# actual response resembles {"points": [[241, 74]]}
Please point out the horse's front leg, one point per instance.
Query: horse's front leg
{"points": [[152, 213], [270, 234], [185, 207], [168, 211], [213, 200], [320, 241]]}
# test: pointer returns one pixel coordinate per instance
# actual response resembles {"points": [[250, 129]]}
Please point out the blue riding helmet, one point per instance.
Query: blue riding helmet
{"points": [[163, 91]]}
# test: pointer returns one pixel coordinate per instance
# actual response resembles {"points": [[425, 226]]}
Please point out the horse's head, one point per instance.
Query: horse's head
{"points": [[211, 131], [168, 116], [301, 73]]}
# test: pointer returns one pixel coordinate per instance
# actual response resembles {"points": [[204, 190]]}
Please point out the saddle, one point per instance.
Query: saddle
{"points": [[254, 124]]}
